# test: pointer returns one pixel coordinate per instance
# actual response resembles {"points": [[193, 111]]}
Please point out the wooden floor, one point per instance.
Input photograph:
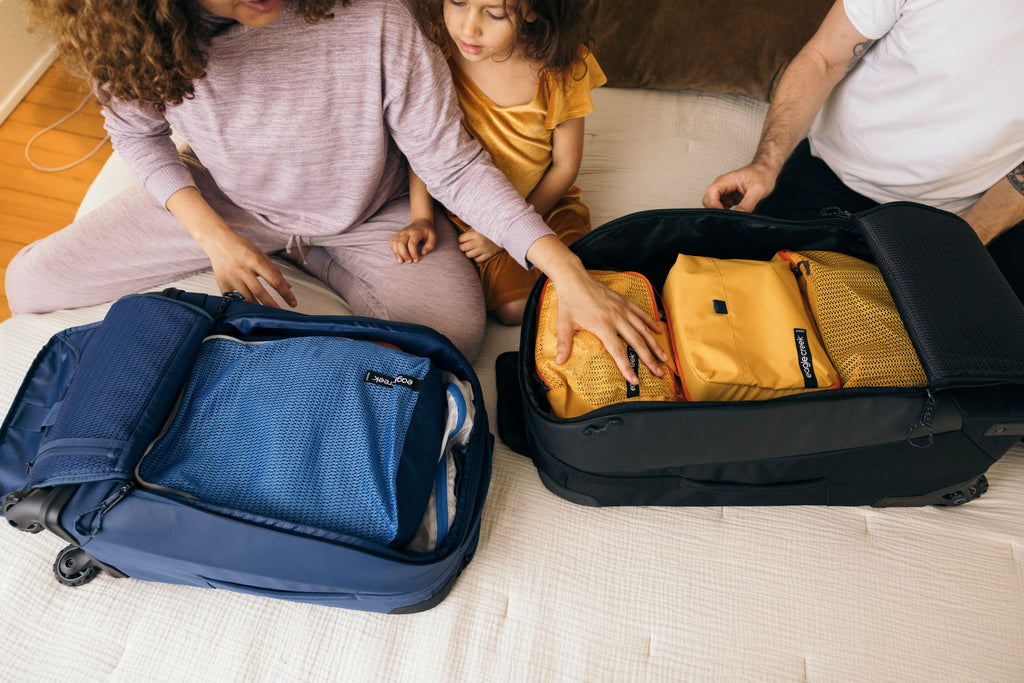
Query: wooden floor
{"points": [[35, 203]]}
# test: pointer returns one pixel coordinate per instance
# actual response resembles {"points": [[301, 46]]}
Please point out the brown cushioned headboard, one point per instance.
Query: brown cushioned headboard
{"points": [[733, 46]]}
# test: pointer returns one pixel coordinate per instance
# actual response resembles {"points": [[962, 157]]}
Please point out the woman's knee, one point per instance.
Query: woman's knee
{"points": [[467, 334], [24, 290]]}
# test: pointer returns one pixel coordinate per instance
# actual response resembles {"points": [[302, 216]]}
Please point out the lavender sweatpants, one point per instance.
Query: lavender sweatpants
{"points": [[133, 244]]}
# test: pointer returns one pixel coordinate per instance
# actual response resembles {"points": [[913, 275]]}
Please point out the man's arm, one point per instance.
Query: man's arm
{"points": [[1000, 208], [807, 82]]}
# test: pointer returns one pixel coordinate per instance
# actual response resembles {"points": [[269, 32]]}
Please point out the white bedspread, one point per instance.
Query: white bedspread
{"points": [[559, 591]]}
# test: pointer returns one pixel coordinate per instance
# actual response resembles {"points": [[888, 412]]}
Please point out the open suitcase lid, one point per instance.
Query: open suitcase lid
{"points": [[964, 319]]}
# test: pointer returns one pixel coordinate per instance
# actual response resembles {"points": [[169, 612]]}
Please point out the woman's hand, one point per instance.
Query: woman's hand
{"points": [[585, 304], [238, 264]]}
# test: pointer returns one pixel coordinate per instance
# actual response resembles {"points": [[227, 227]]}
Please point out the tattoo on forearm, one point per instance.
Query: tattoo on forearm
{"points": [[1016, 178], [858, 51]]}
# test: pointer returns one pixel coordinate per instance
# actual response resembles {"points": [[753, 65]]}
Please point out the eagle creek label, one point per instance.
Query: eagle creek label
{"points": [[383, 380], [633, 390], [803, 357]]}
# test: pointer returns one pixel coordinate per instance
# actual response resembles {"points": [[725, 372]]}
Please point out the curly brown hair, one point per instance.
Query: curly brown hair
{"points": [[148, 51], [552, 38]]}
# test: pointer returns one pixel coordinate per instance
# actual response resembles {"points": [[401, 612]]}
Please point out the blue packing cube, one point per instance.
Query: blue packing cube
{"points": [[257, 429]]}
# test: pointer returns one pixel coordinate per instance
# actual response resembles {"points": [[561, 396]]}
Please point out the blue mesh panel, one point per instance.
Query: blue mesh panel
{"points": [[290, 430], [121, 367]]}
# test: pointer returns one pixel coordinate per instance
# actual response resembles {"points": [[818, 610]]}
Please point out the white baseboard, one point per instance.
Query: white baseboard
{"points": [[11, 100]]}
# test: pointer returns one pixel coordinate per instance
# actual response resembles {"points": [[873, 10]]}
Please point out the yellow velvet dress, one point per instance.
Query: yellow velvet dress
{"points": [[519, 140]]}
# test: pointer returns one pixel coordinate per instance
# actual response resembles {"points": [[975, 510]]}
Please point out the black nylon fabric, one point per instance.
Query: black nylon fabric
{"points": [[964, 319]]}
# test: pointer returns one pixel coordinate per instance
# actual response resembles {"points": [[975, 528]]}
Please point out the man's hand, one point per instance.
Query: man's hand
{"points": [[405, 244], [743, 188]]}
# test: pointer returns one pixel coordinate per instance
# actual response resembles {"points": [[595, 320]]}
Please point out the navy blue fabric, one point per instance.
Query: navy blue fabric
{"points": [[307, 430], [42, 388], [155, 538], [125, 381], [166, 537]]}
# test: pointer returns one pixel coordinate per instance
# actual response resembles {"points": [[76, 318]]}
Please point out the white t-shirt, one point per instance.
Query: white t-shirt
{"points": [[934, 112]]}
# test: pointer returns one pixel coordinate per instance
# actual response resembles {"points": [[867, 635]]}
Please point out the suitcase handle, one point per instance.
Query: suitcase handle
{"points": [[809, 492]]}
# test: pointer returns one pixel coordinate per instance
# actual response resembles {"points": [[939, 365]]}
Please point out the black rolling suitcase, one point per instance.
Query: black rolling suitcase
{"points": [[849, 446]]}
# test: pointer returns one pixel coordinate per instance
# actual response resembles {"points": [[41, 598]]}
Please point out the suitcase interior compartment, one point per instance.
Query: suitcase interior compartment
{"points": [[32, 408], [685, 448], [965, 335]]}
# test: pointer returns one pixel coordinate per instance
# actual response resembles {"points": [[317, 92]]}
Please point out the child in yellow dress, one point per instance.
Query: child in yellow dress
{"points": [[523, 76]]}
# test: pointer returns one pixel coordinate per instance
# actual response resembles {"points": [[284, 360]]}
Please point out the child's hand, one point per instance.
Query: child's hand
{"points": [[406, 242], [477, 247]]}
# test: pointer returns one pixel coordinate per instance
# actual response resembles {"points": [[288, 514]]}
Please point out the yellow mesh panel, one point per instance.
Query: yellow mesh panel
{"points": [[859, 324], [590, 379]]}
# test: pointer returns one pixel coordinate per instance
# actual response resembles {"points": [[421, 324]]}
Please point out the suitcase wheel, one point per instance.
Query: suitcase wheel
{"points": [[73, 567], [967, 493], [11, 500], [948, 497]]}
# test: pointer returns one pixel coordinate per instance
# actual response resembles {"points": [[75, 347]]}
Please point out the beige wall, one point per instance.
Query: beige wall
{"points": [[24, 56]]}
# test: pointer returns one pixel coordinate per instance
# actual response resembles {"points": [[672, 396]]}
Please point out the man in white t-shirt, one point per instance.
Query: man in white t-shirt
{"points": [[916, 100]]}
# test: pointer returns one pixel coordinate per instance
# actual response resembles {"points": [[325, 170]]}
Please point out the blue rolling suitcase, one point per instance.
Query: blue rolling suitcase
{"points": [[211, 442]]}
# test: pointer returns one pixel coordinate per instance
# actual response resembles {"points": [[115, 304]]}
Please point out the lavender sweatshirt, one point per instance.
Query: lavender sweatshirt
{"points": [[305, 125]]}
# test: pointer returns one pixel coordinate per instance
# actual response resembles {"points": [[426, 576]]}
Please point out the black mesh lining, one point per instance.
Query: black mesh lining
{"points": [[964, 320]]}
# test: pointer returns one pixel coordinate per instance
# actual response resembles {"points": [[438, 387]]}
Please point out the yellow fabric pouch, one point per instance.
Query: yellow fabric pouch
{"points": [[589, 379], [740, 331], [860, 327]]}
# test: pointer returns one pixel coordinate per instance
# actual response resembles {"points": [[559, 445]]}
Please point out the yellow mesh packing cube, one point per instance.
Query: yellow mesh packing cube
{"points": [[589, 379], [860, 327], [740, 331]]}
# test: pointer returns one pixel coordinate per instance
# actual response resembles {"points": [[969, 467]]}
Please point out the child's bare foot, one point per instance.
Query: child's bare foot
{"points": [[511, 313], [477, 247]]}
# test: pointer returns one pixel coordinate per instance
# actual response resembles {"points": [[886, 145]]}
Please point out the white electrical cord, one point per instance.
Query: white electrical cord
{"points": [[51, 127]]}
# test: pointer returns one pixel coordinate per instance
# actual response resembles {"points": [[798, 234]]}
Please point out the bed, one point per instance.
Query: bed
{"points": [[558, 591]]}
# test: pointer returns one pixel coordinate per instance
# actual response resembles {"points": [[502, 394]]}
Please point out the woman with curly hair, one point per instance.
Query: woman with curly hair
{"points": [[299, 117]]}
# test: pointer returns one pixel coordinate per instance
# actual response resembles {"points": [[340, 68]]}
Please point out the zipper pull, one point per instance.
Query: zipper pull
{"points": [[924, 423], [105, 506], [227, 298], [835, 212]]}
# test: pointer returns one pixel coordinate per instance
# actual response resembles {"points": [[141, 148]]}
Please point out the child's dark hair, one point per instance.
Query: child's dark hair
{"points": [[552, 38]]}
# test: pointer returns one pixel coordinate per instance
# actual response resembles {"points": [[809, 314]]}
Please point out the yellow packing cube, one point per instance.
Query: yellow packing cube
{"points": [[860, 327], [740, 331], [589, 379]]}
